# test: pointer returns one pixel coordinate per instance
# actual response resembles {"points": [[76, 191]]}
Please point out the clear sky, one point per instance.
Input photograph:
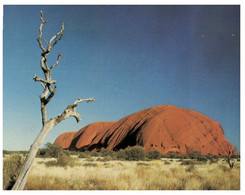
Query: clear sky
{"points": [[128, 57]]}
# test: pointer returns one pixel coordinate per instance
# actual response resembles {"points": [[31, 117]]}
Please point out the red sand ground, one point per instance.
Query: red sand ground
{"points": [[165, 128]]}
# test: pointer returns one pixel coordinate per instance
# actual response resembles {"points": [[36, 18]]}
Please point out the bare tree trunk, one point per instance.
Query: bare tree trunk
{"points": [[21, 181], [45, 98]]}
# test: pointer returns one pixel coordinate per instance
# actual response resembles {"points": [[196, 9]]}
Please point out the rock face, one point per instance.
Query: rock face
{"points": [[164, 128], [65, 139]]}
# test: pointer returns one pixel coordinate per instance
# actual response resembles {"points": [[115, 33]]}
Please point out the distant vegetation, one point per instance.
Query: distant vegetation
{"points": [[11, 169], [55, 156]]}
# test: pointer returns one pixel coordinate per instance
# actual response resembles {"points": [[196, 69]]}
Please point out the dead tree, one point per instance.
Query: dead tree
{"points": [[49, 89], [229, 160]]}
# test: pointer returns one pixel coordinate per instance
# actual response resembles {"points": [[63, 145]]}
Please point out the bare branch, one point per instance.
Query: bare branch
{"points": [[83, 100], [45, 41], [76, 115], [42, 64], [50, 88], [55, 37], [70, 111], [41, 31], [36, 78], [57, 62], [51, 95], [42, 85]]}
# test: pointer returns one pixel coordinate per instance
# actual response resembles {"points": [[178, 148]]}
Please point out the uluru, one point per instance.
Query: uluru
{"points": [[165, 128]]}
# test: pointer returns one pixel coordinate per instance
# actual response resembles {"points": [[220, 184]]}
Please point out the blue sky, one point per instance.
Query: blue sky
{"points": [[128, 57]]}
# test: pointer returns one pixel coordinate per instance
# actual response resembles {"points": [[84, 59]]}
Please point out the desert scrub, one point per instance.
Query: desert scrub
{"points": [[83, 155], [188, 162], [135, 153], [108, 152], [154, 154], [50, 150], [63, 161], [11, 169], [121, 154]]}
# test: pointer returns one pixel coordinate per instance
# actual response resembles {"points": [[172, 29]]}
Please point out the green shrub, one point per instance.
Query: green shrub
{"points": [[11, 169], [108, 152], [54, 150], [121, 154], [83, 155], [75, 153], [195, 155], [187, 162], [213, 160], [202, 158], [154, 154], [184, 156], [90, 159], [51, 150], [135, 153], [51, 163], [95, 154], [63, 161], [107, 158], [172, 155]]}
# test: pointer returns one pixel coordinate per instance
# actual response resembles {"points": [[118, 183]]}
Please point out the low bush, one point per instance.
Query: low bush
{"points": [[202, 158], [50, 150], [51, 163], [90, 159], [195, 155], [95, 154], [213, 160], [187, 162], [83, 155], [11, 169], [154, 154], [121, 154], [63, 161], [108, 152], [135, 153]]}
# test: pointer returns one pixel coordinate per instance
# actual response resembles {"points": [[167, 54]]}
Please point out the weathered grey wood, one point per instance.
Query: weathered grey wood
{"points": [[45, 97]]}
